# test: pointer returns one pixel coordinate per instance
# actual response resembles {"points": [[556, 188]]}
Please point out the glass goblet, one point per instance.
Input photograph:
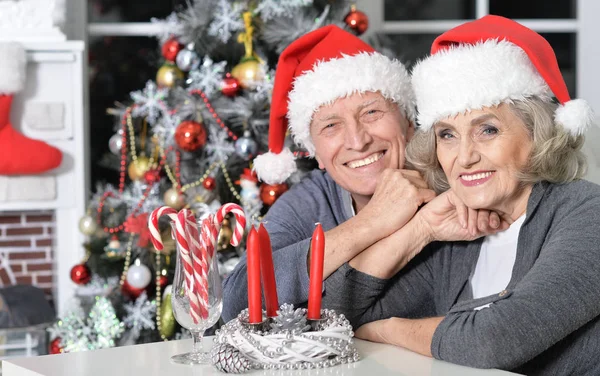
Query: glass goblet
{"points": [[182, 291]]}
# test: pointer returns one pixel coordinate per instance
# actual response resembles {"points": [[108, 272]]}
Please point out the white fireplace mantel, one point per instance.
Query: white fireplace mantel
{"points": [[54, 79]]}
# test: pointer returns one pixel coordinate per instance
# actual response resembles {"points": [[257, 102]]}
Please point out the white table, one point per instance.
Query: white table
{"points": [[153, 360]]}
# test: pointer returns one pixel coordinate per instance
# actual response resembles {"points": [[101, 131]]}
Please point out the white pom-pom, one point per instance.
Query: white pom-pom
{"points": [[275, 168], [12, 68], [576, 116]]}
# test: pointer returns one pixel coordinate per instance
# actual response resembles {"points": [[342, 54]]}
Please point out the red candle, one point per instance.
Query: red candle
{"points": [[253, 269], [268, 272], [317, 254]]}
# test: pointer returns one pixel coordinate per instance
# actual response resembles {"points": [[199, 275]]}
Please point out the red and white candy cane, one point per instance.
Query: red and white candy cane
{"points": [[185, 245], [182, 245], [210, 234], [240, 221], [153, 224], [199, 260]]}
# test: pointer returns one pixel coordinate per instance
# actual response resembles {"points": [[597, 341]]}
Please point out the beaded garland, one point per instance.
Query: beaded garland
{"points": [[289, 342]]}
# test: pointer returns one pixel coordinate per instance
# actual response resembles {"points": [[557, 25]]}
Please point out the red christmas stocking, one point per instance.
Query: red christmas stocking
{"points": [[19, 155]]}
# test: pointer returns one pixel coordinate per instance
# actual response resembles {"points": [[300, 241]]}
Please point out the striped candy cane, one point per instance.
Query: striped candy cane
{"points": [[185, 245], [182, 244], [210, 233], [153, 224], [199, 260], [240, 221]]}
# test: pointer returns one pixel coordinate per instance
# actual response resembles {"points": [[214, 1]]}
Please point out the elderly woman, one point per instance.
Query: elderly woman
{"points": [[526, 299]]}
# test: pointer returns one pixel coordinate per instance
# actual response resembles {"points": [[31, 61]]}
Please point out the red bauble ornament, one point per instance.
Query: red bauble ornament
{"points": [[230, 86], [55, 346], [131, 292], [152, 176], [170, 49], [190, 135], [270, 193], [209, 183], [163, 280], [80, 274], [357, 21]]}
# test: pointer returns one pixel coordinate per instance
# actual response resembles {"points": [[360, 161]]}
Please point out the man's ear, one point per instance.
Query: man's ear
{"points": [[321, 166]]}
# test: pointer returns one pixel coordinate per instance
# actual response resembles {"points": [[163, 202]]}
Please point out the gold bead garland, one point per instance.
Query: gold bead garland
{"points": [[159, 297], [132, 149], [127, 259]]}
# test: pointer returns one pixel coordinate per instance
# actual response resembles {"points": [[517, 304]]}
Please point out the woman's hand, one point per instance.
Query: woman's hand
{"points": [[413, 334], [447, 218]]}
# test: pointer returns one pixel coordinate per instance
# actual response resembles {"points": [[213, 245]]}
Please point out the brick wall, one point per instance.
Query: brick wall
{"points": [[26, 253]]}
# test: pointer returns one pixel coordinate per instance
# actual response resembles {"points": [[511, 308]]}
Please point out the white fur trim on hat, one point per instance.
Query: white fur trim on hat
{"points": [[12, 68], [575, 116], [469, 77], [274, 168], [338, 78]]}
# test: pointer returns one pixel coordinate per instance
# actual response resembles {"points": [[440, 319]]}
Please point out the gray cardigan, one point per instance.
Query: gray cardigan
{"points": [[547, 321]]}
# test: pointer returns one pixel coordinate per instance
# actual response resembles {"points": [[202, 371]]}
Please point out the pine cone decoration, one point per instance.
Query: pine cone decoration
{"points": [[228, 359], [290, 320]]}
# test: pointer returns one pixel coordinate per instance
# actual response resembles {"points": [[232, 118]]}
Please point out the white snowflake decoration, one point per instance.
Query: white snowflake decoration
{"points": [[96, 331], [169, 27], [133, 193], [227, 20], [140, 315], [165, 129], [269, 9], [220, 147], [208, 77], [98, 286], [149, 101]]}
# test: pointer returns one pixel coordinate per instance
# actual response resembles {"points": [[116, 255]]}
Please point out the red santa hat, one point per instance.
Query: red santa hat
{"points": [[490, 61], [316, 69]]}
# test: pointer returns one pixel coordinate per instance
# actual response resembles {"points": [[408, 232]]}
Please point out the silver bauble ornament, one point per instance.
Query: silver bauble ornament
{"points": [[246, 147], [138, 275], [187, 59], [88, 225], [116, 143]]}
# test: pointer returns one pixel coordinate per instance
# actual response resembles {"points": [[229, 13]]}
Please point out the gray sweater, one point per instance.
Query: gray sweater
{"points": [[290, 223], [547, 321]]}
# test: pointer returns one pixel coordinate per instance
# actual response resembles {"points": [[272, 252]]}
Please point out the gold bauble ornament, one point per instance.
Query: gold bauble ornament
{"points": [[167, 320], [139, 167], [174, 199], [88, 225], [169, 75], [225, 235], [248, 71]]}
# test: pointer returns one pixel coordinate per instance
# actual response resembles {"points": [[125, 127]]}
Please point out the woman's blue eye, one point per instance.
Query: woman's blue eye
{"points": [[444, 134], [490, 130]]}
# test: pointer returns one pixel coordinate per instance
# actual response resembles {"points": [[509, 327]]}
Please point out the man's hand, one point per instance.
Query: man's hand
{"points": [[448, 219], [398, 195]]}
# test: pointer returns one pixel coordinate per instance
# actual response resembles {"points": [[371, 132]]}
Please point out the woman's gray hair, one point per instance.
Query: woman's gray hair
{"points": [[556, 155]]}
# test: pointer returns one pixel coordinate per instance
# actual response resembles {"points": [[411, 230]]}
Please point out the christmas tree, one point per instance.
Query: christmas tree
{"points": [[186, 139]]}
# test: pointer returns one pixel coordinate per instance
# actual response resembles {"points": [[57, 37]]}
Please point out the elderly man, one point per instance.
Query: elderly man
{"points": [[352, 109]]}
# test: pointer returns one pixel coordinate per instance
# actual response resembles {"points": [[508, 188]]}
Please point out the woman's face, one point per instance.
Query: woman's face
{"points": [[481, 153]]}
